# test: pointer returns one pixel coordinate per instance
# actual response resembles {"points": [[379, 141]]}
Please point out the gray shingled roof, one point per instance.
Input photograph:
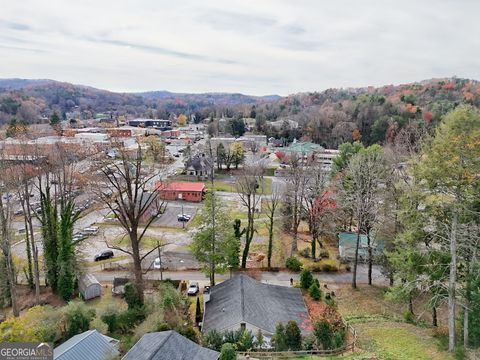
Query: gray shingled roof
{"points": [[243, 299], [88, 345], [168, 345]]}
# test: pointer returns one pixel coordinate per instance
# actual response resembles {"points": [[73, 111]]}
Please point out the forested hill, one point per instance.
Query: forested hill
{"points": [[209, 98], [374, 115], [29, 100], [330, 117]]}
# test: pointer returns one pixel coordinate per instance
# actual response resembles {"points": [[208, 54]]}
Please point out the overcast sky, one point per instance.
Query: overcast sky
{"points": [[254, 47]]}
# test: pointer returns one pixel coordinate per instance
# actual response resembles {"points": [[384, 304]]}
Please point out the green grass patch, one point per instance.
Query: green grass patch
{"points": [[229, 186], [395, 342]]}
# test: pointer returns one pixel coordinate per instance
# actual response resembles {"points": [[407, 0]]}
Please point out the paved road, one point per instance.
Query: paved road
{"points": [[278, 278]]}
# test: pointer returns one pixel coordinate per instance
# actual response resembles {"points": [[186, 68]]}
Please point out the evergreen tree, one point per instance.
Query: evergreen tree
{"points": [[215, 242], [306, 279], [293, 336], [54, 119]]}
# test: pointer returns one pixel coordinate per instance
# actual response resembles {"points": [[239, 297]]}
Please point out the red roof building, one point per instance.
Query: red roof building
{"points": [[181, 190]]}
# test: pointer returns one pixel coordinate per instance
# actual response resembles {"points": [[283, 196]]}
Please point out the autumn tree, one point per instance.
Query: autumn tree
{"points": [[182, 120], [317, 206], [237, 153], [156, 148], [449, 170]]}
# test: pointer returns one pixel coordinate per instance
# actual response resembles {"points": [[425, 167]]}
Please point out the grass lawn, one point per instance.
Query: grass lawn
{"points": [[393, 340], [380, 326], [230, 186]]}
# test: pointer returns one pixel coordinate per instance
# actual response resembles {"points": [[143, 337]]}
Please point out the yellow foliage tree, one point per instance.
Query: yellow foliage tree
{"points": [[181, 120], [39, 323]]}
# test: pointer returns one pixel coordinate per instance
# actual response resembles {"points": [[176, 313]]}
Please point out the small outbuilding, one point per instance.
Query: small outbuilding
{"points": [[89, 287]]}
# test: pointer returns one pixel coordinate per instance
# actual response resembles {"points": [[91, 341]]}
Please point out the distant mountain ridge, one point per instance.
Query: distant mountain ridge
{"points": [[216, 97], [236, 98]]}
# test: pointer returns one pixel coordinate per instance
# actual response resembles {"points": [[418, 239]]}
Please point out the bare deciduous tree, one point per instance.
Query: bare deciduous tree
{"points": [[361, 193], [250, 189], [6, 229], [317, 205], [126, 188], [272, 205], [297, 179]]}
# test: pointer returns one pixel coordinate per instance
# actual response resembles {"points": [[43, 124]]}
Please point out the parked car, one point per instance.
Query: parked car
{"points": [[193, 289], [18, 212], [104, 255], [93, 230], [183, 217], [79, 237], [156, 263]]}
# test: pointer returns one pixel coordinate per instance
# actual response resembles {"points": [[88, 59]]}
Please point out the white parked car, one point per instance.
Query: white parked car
{"points": [[193, 289]]}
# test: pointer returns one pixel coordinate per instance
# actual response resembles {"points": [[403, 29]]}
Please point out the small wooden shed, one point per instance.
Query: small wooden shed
{"points": [[89, 287]]}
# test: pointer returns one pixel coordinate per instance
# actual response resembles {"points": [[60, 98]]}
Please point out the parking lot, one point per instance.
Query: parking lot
{"points": [[174, 208]]}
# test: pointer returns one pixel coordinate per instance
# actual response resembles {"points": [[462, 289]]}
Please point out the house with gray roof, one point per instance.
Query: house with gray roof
{"points": [[245, 303], [199, 166], [90, 345], [168, 345]]}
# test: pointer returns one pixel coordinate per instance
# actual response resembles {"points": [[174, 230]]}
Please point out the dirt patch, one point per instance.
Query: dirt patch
{"points": [[26, 297]]}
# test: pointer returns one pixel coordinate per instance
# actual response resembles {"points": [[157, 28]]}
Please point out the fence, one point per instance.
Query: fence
{"points": [[266, 354]]}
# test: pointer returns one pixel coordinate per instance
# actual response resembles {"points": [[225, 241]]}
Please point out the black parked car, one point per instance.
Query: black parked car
{"points": [[104, 255]]}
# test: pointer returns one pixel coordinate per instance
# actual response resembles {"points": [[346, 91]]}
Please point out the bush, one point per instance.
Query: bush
{"points": [[305, 253], [308, 342], [109, 317], [324, 254], [37, 324], [316, 268], [293, 264], [213, 340], [189, 332], [409, 317], [329, 265], [338, 339], [227, 352], [306, 279], [163, 327], [130, 318], [315, 292], [132, 297], [245, 341], [323, 333], [125, 321], [78, 317], [293, 336]]}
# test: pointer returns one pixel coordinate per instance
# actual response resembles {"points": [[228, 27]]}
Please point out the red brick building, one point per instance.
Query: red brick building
{"points": [[181, 190]]}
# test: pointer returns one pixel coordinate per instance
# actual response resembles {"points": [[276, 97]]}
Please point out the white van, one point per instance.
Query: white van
{"points": [[93, 230]]}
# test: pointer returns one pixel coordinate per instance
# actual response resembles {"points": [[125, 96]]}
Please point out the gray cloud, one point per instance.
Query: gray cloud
{"points": [[258, 47], [157, 50], [15, 25]]}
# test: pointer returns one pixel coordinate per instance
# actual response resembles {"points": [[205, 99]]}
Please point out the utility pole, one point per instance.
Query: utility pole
{"points": [[160, 258], [183, 222]]}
